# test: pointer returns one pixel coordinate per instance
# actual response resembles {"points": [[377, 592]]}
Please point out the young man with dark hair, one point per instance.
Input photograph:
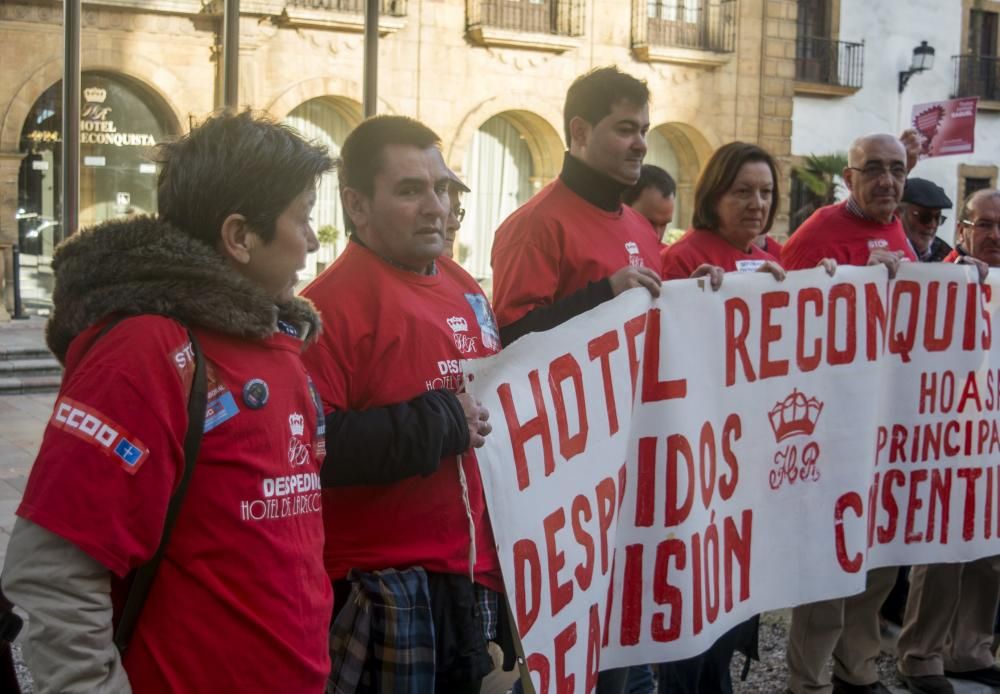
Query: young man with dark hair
{"points": [[405, 512], [653, 196], [240, 601], [574, 245]]}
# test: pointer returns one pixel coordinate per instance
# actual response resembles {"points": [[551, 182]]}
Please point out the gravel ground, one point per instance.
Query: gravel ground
{"points": [[770, 674], [23, 676]]}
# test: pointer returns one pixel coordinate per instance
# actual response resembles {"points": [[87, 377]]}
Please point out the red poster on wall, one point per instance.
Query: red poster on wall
{"points": [[947, 127]]}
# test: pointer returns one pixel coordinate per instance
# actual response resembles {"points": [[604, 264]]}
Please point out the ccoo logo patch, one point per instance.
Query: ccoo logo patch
{"points": [[101, 432]]}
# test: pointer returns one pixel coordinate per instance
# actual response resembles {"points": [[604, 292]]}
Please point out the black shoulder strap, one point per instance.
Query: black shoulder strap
{"points": [[142, 579]]}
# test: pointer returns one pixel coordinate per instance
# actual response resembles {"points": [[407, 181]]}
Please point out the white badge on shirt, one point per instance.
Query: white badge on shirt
{"points": [[749, 265]]}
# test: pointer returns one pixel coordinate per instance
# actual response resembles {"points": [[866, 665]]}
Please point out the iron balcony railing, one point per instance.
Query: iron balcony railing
{"points": [[977, 75], [700, 24], [392, 8], [825, 61], [562, 17]]}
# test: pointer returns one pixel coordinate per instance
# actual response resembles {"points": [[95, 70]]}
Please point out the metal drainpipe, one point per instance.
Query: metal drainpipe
{"points": [[370, 97], [231, 55], [71, 118]]}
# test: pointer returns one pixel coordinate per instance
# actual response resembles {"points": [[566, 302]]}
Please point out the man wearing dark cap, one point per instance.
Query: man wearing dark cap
{"points": [[920, 212], [456, 213]]}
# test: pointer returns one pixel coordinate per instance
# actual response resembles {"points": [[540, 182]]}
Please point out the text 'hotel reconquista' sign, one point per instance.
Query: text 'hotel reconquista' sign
{"points": [[96, 125]]}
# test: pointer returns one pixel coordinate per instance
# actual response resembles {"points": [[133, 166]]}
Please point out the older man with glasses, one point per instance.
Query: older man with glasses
{"points": [[920, 212], [862, 230]]}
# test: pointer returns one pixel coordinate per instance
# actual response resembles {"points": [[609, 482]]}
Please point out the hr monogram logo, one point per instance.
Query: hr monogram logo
{"points": [[794, 416], [298, 452]]}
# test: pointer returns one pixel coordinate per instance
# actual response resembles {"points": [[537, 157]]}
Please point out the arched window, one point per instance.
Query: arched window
{"points": [[121, 122], [326, 121], [498, 169]]}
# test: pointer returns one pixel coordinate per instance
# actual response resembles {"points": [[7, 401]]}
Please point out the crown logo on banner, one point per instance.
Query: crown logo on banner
{"points": [[794, 415], [297, 423], [95, 95], [458, 324]]}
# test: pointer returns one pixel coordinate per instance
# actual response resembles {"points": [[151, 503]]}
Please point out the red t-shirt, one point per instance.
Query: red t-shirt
{"points": [[952, 256], [390, 335], [557, 243], [240, 601], [700, 246], [835, 232]]}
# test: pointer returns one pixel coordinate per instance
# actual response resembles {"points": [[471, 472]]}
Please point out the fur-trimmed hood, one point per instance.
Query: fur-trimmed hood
{"points": [[145, 265]]}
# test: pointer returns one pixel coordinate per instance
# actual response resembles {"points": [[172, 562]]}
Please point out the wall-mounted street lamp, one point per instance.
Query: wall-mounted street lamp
{"points": [[923, 59]]}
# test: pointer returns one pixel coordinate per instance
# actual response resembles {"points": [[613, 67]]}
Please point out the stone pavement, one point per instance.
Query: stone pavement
{"points": [[22, 423]]}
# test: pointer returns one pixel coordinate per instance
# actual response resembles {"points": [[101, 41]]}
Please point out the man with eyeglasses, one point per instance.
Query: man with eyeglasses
{"points": [[456, 213], [864, 229], [920, 213], [978, 233], [949, 620]]}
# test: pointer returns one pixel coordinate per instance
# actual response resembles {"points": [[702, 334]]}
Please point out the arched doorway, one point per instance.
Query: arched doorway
{"points": [[121, 121], [326, 120], [680, 151]]}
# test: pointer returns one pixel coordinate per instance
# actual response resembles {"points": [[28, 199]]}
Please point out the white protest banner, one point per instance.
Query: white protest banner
{"points": [[660, 471]]}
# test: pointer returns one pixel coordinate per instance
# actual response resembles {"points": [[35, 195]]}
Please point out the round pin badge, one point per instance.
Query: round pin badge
{"points": [[255, 393]]}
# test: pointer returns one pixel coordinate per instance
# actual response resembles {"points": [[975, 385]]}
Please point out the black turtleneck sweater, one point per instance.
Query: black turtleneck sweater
{"points": [[593, 186], [603, 192]]}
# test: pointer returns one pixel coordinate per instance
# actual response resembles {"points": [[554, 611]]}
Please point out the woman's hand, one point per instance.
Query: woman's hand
{"points": [[828, 264], [776, 271], [713, 272]]}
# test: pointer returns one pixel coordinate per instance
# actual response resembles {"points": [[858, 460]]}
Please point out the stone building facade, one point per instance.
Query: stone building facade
{"points": [[489, 76]]}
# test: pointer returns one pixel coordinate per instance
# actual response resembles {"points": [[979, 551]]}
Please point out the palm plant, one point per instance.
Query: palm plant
{"points": [[821, 176]]}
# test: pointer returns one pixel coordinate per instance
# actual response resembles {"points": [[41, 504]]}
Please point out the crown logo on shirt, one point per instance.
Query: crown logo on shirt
{"points": [[297, 423], [632, 247], [458, 324]]}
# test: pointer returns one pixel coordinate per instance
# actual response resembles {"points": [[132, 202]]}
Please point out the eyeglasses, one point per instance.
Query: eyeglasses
{"points": [[983, 225], [927, 217], [873, 172], [459, 213]]}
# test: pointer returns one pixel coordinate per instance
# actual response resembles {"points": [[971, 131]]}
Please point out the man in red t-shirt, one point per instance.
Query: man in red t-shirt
{"points": [[574, 245], [240, 602], [862, 230], [653, 196], [403, 492]]}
